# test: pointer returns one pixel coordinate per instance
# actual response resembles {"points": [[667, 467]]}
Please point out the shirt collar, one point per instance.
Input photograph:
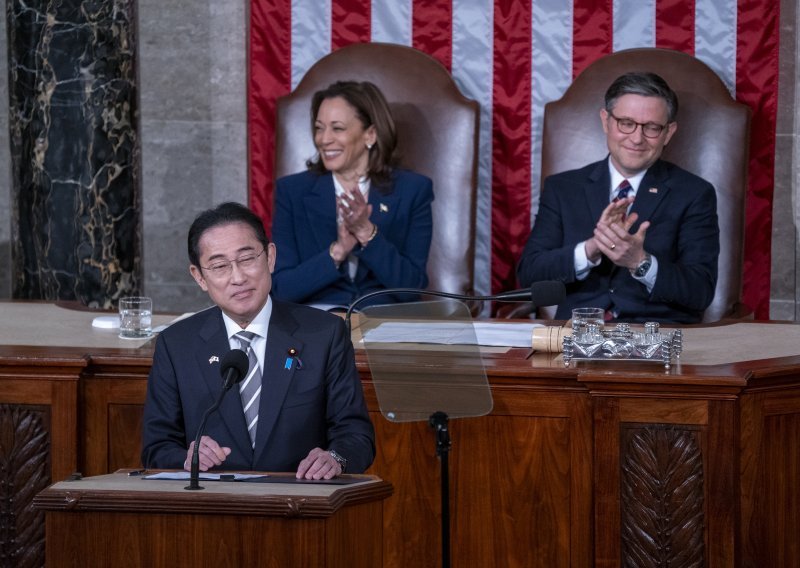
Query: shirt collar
{"points": [[259, 325], [363, 185], [616, 179]]}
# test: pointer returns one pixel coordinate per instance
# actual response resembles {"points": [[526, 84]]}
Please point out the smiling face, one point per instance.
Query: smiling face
{"points": [[243, 291], [341, 139], [634, 152]]}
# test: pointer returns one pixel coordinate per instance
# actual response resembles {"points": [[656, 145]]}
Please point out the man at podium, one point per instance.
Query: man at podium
{"points": [[299, 408]]}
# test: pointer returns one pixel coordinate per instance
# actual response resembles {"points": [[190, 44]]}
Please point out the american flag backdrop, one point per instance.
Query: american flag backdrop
{"points": [[513, 56]]}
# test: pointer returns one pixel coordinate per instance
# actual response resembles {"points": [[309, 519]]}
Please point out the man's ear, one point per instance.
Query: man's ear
{"points": [[272, 254], [604, 119], [197, 274], [672, 127]]}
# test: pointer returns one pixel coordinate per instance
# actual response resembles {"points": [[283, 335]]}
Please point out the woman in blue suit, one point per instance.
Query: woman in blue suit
{"points": [[352, 223]]}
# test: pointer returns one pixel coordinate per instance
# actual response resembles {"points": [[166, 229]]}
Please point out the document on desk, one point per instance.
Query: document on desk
{"points": [[455, 333], [184, 476]]}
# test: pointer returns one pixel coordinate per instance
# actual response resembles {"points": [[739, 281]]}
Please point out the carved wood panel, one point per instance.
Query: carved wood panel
{"points": [[662, 503], [24, 471]]}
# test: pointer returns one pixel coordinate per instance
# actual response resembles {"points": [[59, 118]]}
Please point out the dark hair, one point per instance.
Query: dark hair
{"points": [[372, 110], [646, 85], [223, 214]]}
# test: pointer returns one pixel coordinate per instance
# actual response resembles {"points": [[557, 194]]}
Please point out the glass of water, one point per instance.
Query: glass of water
{"points": [[582, 317], [135, 317]]}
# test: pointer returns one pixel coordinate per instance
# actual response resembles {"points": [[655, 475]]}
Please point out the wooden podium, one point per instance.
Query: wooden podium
{"points": [[119, 520]]}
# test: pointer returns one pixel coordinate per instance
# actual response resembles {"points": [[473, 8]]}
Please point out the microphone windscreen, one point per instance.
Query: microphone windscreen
{"points": [[234, 360], [548, 292]]}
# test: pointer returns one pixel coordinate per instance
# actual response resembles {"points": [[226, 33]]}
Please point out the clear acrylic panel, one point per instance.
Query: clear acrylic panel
{"points": [[424, 358]]}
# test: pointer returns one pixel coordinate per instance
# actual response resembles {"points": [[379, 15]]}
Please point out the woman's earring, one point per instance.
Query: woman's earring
{"points": [[369, 147]]}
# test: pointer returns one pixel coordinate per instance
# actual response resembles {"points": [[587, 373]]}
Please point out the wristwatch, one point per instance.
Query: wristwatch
{"points": [[642, 267], [339, 459]]}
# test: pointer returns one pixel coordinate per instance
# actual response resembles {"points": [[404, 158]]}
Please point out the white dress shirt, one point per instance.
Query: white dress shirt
{"points": [[363, 187], [259, 326]]}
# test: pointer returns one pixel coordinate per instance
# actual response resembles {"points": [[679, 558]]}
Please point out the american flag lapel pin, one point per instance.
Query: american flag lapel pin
{"points": [[213, 359], [653, 190]]}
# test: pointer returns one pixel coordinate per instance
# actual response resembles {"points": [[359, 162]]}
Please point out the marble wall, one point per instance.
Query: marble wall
{"points": [[5, 170], [192, 73], [192, 77], [75, 232]]}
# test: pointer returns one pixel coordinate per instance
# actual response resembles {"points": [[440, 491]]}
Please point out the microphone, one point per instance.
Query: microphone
{"points": [[233, 367], [542, 293]]}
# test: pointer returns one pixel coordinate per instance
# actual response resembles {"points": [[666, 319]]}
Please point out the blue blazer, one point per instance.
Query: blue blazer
{"points": [[304, 226], [683, 236], [316, 402]]}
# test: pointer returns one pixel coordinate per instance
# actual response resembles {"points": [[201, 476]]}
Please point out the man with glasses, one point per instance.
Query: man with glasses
{"points": [[633, 234], [301, 407]]}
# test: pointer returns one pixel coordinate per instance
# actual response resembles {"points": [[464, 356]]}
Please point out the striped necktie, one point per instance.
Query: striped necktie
{"points": [[250, 388], [623, 189]]}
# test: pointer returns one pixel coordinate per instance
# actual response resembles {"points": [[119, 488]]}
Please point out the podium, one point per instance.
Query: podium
{"points": [[120, 520]]}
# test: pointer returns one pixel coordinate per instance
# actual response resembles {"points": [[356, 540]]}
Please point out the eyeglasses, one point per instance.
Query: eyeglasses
{"points": [[628, 126], [224, 268]]}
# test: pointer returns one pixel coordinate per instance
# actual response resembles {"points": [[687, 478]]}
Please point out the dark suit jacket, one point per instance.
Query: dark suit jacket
{"points": [[304, 226], [683, 236], [318, 402]]}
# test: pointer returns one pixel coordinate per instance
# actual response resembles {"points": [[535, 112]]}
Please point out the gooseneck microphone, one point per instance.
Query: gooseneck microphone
{"points": [[543, 293], [233, 367]]}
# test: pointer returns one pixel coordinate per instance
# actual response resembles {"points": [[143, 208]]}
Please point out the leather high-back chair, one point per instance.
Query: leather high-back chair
{"points": [[712, 141], [437, 130]]}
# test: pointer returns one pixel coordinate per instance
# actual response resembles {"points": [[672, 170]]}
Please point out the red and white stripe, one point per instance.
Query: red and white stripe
{"points": [[513, 56]]}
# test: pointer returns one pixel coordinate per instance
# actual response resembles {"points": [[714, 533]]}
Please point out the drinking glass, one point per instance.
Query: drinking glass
{"points": [[135, 317], [582, 317]]}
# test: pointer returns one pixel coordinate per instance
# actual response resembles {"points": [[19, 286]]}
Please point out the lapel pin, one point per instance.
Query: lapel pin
{"points": [[213, 359], [292, 357], [653, 190], [384, 208]]}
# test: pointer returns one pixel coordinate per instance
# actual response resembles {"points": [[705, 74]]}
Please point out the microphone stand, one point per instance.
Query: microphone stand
{"points": [[194, 474], [438, 422], [235, 365]]}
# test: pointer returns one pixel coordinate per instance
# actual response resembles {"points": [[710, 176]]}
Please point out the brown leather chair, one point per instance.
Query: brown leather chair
{"points": [[712, 141], [437, 136]]}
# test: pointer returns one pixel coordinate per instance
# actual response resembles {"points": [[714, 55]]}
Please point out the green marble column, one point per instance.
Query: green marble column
{"points": [[73, 121]]}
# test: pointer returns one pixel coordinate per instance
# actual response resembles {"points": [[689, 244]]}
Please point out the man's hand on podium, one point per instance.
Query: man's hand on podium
{"points": [[319, 464], [211, 454]]}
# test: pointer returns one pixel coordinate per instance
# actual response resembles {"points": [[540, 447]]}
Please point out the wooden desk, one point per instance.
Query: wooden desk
{"points": [[117, 520], [565, 470]]}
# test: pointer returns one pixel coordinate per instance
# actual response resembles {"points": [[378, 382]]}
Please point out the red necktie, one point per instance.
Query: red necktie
{"points": [[623, 189]]}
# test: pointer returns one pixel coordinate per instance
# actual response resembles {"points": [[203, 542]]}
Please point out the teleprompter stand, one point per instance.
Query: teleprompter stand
{"points": [[419, 378]]}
